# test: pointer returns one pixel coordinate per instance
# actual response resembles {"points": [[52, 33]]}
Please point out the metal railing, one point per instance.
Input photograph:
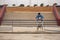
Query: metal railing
{"points": [[27, 22]]}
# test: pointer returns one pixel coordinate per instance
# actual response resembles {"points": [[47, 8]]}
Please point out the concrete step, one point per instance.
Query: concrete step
{"points": [[34, 25], [33, 29], [6, 28], [28, 15], [27, 23], [28, 29]]}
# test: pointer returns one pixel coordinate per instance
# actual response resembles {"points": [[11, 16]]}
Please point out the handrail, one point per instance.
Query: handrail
{"points": [[26, 25], [56, 14], [2, 13], [27, 22]]}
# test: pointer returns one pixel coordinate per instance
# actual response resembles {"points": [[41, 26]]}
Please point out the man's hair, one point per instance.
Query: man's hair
{"points": [[39, 13]]}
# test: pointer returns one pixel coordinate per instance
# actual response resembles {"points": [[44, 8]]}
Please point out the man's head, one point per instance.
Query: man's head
{"points": [[38, 13]]}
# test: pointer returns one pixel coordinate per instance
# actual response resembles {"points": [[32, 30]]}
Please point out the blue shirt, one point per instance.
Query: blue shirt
{"points": [[39, 17]]}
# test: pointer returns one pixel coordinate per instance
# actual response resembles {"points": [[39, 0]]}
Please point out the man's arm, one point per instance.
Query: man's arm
{"points": [[42, 17], [36, 17]]}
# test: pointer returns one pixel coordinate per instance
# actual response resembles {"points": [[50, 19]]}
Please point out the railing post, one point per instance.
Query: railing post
{"points": [[12, 25]]}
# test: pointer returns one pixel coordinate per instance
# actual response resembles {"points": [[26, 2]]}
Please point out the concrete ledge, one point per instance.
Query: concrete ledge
{"points": [[6, 28]]}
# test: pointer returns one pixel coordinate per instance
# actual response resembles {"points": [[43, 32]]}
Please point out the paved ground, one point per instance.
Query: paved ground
{"points": [[29, 36]]}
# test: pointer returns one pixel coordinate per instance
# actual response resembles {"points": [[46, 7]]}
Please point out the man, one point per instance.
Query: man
{"points": [[39, 19]]}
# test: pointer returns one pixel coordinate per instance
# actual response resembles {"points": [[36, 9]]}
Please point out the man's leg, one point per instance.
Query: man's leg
{"points": [[42, 25], [37, 28], [37, 25]]}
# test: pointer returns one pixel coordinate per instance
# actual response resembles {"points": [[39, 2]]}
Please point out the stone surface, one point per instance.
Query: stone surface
{"points": [[29, 36], [6, 28]]}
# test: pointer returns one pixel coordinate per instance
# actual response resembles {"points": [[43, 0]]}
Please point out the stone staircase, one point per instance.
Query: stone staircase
{"points": [[28, 16], [25, 22]]}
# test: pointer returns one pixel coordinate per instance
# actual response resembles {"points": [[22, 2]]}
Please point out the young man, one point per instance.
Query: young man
{"points": [[39, 19]]}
